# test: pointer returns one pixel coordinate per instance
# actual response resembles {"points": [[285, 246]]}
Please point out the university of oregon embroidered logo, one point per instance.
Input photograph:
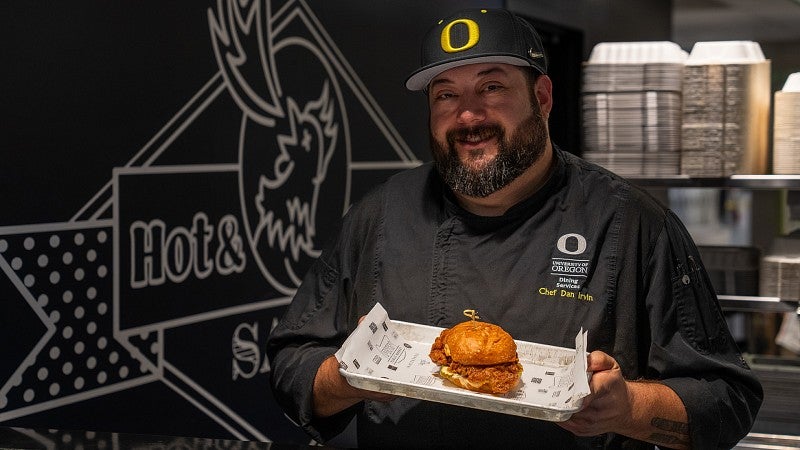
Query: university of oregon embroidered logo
{"points": [[573, 245], [570, 269], [473, 35]]}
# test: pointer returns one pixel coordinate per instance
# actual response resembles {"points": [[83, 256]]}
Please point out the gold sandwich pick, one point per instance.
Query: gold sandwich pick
{"points": [[471, 313]]}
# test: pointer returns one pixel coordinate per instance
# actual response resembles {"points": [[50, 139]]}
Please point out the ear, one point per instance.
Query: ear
{"points": [[544, 93]]}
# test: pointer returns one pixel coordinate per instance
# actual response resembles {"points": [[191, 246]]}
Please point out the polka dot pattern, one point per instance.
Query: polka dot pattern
{"points": [[67, 272]]}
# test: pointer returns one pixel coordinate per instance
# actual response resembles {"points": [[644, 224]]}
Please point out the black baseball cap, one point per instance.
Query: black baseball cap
{"points": [[475, 36]]}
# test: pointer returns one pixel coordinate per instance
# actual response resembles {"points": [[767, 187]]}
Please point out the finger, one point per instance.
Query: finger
{"points": [[599, 361], [586, 401], [578, 426]]}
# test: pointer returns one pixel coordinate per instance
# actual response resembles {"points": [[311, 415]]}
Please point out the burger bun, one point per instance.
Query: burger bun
{"points": [[479, 344]]}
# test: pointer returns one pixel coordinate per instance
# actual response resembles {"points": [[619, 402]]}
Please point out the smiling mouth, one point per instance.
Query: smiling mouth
{"points": [[471, 138], [475, 147]]}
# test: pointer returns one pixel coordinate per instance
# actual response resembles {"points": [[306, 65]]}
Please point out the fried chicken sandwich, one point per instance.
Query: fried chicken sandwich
{"points": [[478, 356]]}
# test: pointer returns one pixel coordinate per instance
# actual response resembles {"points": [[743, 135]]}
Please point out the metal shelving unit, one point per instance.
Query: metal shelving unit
{"points": [[749, 182], [741, 303], [777, 425], [753, 182]]}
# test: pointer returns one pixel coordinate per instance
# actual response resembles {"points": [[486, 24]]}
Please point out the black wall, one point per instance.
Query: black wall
{"points": [[156, 195]]}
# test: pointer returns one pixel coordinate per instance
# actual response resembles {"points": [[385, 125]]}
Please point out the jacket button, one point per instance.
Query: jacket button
{"points": [[686, 279]]}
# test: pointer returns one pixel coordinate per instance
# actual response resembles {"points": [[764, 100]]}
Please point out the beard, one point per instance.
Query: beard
{"points": [[514, 156]]}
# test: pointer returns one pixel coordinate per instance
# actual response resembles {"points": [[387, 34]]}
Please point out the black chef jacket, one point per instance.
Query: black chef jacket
{"points": [[587, 250]]}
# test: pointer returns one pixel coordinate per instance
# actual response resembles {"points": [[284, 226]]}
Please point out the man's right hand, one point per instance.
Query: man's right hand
{"points": [[333, 394]]}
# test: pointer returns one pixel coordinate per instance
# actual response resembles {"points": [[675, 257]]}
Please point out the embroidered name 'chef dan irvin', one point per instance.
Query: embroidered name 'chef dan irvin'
{"points": [[571, 269]]}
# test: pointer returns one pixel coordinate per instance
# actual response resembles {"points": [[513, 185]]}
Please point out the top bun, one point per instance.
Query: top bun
{"points": [[479, 344]]}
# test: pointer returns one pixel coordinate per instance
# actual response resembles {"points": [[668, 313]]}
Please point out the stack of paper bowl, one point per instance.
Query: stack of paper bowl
{"points": [[726, 100], [631, 100], [786, 128]]}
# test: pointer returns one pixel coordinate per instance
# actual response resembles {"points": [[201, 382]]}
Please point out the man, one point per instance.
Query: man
{"points": [[539, 242]]}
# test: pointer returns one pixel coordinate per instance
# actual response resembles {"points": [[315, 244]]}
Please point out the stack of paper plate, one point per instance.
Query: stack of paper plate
{"points": [[631, 98], [726, 99], [786, 128]]}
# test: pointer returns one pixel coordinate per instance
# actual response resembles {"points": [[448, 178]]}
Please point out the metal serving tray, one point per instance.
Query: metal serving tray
{"points": [[546, 391]]}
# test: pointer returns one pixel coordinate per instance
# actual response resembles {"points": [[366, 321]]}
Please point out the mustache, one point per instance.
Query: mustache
{"points": [[476, 133]]}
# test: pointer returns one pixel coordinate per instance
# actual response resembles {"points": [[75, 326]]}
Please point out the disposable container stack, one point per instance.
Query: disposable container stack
{"points": [[631, 100], [726, 101], [780, 277], [786, 128]]}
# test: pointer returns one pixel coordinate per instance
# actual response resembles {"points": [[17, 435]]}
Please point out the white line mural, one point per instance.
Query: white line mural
{"points": [[109, 297]]}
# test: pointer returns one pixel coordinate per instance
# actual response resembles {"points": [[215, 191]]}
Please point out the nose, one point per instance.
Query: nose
{"points": [[470, 109]]}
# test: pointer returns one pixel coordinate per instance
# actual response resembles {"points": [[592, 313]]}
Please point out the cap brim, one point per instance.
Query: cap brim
{"points": [[422, 77]]}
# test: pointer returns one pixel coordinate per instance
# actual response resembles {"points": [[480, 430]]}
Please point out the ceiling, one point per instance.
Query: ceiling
{"points": [[763, 21]]}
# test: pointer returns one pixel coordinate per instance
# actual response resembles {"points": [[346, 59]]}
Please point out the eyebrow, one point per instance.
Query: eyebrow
{"points": [[492, 70], [482, 73]]}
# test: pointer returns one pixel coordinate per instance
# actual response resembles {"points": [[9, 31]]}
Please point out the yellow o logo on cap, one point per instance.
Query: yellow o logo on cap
{"points": [[472, 32]]}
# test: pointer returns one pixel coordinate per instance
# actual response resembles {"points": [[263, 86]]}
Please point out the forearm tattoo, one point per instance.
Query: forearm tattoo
{"points": [[676, 432]]}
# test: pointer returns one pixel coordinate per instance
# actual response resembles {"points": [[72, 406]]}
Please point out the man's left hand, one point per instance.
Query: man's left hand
{"points": [[608, 406], [646, 410]]}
